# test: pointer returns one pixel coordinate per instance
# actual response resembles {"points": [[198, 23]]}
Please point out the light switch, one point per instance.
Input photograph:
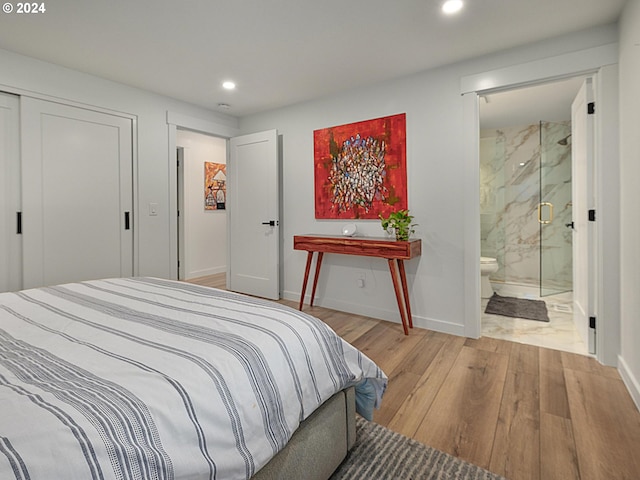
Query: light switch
{"points": [[153, 209]]}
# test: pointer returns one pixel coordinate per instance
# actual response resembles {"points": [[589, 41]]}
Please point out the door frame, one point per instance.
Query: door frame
{"points": [[602, 63]]}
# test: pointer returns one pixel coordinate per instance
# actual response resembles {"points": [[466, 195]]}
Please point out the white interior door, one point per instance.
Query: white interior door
{"points": [[10, 239], [253, 202], [77, 194], [582, 198]]}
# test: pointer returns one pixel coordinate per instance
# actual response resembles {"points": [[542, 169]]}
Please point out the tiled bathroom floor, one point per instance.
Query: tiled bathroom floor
{"points": [[558, 334]]}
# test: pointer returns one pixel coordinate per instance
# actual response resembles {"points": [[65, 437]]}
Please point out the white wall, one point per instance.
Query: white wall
{"points": [[205, 230], [24, 75], [437, 193], [630, 195]]}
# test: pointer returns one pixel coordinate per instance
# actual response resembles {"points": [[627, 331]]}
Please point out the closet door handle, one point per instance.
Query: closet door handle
{"points": [[19, 223], [127, 222]]}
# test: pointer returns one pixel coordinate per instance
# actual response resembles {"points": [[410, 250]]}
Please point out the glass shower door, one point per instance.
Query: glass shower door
{"points": [[555, 209]]}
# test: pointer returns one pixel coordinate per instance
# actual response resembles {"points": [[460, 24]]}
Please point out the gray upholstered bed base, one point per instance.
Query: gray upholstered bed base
{"points": [[319, 445]]}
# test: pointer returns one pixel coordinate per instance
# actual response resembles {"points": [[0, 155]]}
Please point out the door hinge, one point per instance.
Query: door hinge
{"points": [[592, 322], [591, 108], [592, 215], [19, 223]]}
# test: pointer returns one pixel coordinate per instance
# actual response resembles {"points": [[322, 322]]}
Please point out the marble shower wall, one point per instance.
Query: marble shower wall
{"points": [[509, 196]]}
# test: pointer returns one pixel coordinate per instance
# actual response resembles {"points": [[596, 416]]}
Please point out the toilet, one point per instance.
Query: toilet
{"points": [[488, 266]]}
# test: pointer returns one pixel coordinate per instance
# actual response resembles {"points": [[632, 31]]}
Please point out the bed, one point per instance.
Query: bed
{"points": [[146, 378]]}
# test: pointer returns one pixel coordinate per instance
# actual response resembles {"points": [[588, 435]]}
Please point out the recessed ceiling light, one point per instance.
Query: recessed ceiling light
{"points": [[452, 6], [228, 85]]}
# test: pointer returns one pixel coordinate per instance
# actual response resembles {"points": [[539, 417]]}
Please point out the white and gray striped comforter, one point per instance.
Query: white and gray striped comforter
{"points": [[146, 378]]}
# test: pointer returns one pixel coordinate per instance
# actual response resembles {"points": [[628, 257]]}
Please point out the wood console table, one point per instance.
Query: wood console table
{"points": [[394, 251]]}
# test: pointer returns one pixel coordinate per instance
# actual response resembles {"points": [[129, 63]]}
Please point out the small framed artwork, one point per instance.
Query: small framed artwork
{"points": [[215, 185], [360, 169]]}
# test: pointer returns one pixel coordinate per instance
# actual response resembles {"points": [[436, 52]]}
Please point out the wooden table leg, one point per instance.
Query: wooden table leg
{"points": [[315, 277], [405, 290], [399, 296], [306, 277]]}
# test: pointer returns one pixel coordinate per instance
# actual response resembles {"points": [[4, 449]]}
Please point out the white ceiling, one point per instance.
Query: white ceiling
{"points": [[280, 52], [529, 105]]}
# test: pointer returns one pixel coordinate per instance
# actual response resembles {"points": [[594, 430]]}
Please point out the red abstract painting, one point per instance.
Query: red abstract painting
{"points": [[361, 168]]}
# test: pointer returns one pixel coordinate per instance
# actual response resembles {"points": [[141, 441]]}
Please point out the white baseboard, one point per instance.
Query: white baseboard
{"points": [[630, 381], [390, 315], [204, 272]]}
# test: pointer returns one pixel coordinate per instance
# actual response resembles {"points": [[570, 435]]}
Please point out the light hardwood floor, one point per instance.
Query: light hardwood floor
{"points": [[521, 411]]}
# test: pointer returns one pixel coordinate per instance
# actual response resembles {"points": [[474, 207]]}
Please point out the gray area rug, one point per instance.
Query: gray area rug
{"points": [[517, 308], [380, 454]]}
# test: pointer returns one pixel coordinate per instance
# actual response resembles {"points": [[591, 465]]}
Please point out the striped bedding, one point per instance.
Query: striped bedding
{"points": [[144, 378]]}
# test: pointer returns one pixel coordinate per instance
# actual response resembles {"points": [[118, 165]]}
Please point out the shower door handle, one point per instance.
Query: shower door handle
{"points": [[550, 219]]}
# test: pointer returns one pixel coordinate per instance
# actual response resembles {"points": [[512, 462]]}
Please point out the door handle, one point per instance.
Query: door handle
{"points": [[569, 225], [545, 204], [271, 223]]}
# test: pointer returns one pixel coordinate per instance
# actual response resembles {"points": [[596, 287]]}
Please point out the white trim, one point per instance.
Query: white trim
{"points": [[136, 200], [632, 383], [538, 71], [64, 101], [200, 125], [175, 120], [173, 202], [388, 315], [205, 272], [607, 204], [472, 320]]}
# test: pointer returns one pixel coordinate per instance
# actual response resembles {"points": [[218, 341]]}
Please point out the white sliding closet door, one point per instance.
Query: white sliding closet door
{"points": [[77, 194], [10, 240]]}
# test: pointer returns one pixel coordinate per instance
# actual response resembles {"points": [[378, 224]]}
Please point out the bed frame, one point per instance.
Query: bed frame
{"points": [[319, 445]]}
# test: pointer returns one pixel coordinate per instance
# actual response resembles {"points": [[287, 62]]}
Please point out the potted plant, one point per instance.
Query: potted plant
{"points": [[400, 222]]}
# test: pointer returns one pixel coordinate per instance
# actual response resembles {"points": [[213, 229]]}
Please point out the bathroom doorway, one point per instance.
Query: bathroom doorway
{"points": [[526, 209]]}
